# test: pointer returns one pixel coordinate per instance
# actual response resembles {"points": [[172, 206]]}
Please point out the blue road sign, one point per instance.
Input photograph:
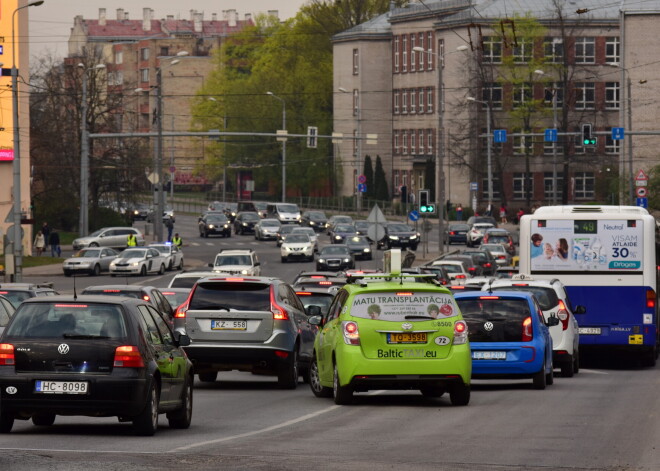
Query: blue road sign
{"points": [[474, 186], [362, 187], [643, 202], [499, 135], [617, 135], [413, 215], [550, 135]]}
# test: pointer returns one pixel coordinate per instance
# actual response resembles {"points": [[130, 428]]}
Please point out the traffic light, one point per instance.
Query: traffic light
{"points": [[587, 138], [425, 206]]}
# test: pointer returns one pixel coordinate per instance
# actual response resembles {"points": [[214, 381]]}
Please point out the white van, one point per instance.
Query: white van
{"points": [[286, 213]]}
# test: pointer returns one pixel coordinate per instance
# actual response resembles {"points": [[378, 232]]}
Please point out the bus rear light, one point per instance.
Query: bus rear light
{"points": [[7, 354], [351, 332], [527, 330], [650, 298], [128, 356]]}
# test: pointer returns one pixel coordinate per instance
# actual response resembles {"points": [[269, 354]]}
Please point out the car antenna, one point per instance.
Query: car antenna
{"points": [[490, 286]]}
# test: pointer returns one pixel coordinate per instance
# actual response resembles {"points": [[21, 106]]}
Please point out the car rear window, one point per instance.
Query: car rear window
{"points": [[546, 297], [15, 297], [68, 320], [316, 299], [237, 296], [403, 306], [498, 239], [494, 320], [185, 281]]}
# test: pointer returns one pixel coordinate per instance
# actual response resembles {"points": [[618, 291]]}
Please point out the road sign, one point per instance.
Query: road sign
{"points": [[172, 169], [362, 179], [10, 233], [643, 202], [499, 135], [617, 134], [474, 186], [362, 187], [281, 135], [413, 215], [153, 178], [550, 135], [641, 175], [641, 191]]}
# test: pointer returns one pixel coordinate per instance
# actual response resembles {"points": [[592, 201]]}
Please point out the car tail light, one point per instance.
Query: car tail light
{"points": [[527, 330], [128, 356], [279, 313], [303, 293], [487, 265], [501, 257], [351, 332], [472, 270], [325, 283], [519, 284], [181, 311], [146, 297], [460, 332], [7, 354], [650, 298], [460, 277], [452, 233], [563, 315]]}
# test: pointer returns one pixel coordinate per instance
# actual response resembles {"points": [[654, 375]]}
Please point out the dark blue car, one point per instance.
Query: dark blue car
{"points": [[341, 232], [509, 337]]}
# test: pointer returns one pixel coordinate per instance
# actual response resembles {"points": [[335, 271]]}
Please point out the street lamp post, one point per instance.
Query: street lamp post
{"points": [[489, 149], [84, 155], [554, 143], [283, 144], [625, 98], [16, 248]]}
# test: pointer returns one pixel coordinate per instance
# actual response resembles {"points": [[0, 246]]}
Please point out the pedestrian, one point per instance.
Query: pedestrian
{"points": [[45, 230], [459, 212], [39, 243], [503, 219], [131, 240], [520, 214], [54, 242], [177, 241], [170, 227]]}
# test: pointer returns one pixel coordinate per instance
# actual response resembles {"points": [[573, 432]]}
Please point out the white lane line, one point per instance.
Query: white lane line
{"points": [[596, 372]]}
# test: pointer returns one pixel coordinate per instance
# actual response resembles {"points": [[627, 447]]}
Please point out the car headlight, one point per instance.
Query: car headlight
{"points": [[226, 226], [394, 237], [367, 250], [413, 237], [311, 223], [309, 247], [135, 264], [244, 272], [245, 223], [112, 264], [346, 260], [337, 237], [321, 260], [211, 226]]}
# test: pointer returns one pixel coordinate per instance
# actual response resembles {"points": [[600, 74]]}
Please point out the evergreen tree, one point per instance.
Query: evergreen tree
{"points": [[368, 172], [380, 182]]}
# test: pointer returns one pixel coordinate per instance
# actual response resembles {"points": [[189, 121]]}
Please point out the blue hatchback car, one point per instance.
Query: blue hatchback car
{"points": [[509, 337]]}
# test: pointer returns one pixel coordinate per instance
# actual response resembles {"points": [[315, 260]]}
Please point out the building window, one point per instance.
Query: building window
{"points": [[356, 102], [396, 179], [421, 100], [413, 142], [584, 185], [522, 94], [522, 185], [413, 53], [144, 75], [396, 55], [397, 148], [119, 57], [496, 188], [397, 98], [413, 101], [612, 46], [429, 42], [492, 50], [404, 101], [547, 147], [429, 100], [356, 62], [547, 186], [611, 145], [492, 93], [144, 53], [164, 51], [554, 50], [430, 139], [522, 53], [420, 179], [422, 55], [612, 96], [404, 177], [550, 95], [585, 95], [405, 142], [422, 146], [404, 59], [522, 145], [585, 50]]}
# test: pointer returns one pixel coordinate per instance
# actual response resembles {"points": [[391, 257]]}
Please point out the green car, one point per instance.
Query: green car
{"points": [[398, 334]]}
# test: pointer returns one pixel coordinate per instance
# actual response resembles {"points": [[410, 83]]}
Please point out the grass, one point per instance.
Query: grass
{"points": [[45, 259]]}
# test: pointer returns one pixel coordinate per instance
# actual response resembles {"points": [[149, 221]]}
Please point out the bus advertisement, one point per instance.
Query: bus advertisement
{"points": [[605, 257]]}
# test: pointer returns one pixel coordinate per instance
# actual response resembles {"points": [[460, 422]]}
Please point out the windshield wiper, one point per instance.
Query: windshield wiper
{"points": [[84, 336]]}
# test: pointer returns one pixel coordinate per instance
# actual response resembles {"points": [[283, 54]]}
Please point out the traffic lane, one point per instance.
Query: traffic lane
{"points": [[244, 418]]}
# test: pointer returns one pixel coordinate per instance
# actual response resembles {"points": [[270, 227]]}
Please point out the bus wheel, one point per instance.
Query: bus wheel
{"points": [[649, 357]]}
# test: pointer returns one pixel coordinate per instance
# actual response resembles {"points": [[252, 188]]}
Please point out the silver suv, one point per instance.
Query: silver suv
{"points": [[255, 324], [114, 237], [554, 302], [237, 262]]}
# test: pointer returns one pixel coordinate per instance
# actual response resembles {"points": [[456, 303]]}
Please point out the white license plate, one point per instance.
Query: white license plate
{"points": [[228, 325], [60, 387], [590, 330], [489, 355]]}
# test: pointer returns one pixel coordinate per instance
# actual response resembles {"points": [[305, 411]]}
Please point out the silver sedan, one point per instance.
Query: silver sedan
{"points": [[91, 261]]}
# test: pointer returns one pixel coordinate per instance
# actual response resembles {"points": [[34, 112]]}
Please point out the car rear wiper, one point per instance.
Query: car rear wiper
{"points": [[84, 336], [418, 317]]}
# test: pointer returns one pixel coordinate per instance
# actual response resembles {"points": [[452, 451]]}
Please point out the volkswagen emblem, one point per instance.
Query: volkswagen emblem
{"points": [[11, 390], [407, 326], [63, 348], [488, 326]]}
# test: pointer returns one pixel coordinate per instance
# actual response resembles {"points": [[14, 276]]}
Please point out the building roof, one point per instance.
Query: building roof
{"points": [[377, 27]]}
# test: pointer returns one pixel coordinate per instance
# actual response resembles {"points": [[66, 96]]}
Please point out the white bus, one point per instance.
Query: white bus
{"points": [[606, 258]]}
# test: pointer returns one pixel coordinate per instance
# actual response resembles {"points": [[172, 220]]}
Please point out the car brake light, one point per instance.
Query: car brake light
{"points": [[146, 297], [128, 356], [487, 265], [489, 297], [527, 330], [351, 333], [472, 269], [460, 332], [519, 284], [181, 311], [452, 233], [501, 257], [460, 277], [279, 313], [7, 354], [239, 280], [650, 298], [404, 293], [563, 315], [325, 283], [318, 276], [303, 293]]}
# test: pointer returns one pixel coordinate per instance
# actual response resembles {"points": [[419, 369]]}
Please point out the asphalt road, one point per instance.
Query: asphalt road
{"points": [[604, 418]]}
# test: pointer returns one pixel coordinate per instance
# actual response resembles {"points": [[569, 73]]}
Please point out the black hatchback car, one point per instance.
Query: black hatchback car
{"points": [[214, 224], [245, 222], [314, 219], [399, 235], [335, 257], [93, 356]]}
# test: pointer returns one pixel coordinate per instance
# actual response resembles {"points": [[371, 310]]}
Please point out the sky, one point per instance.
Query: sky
{"points": [[51, 22]]}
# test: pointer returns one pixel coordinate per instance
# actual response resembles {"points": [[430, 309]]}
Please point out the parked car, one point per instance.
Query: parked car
{"points": [[360, 247], [553, 301], [337, 219], [94, 356], [90, 261], [335, 257], [340, 232], [7, 310], [499, 251], [509, 336], [500, 236], [391, 335], [255, 324], [456, 234], [314, 219], [245, 222], [476, 233], [16, 293], [147, 293], [173, 255], [214, 224], [399, 235], [237, 262], [266, 229], [139, 261], [297, 246], [113, 237], [282, 234]]}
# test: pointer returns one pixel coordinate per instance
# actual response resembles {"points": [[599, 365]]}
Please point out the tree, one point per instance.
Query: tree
{"points": [[380, 182], [368, 172]]}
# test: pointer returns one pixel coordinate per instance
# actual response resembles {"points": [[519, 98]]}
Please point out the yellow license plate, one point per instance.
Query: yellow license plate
{"points": [[636, 340], [407, 337]]}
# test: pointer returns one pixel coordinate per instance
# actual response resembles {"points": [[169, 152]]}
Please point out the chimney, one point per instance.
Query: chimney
{"points": [[120, 14], [248, 17], [224, 15], [198, 22], [126, 15], [146, 19], [214, 17], [274, 13], [232, 18], [101, 16], [192, 15], [170, 17]]}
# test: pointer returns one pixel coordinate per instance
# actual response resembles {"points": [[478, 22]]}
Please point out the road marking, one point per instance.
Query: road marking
{"points": [[596, 372]]}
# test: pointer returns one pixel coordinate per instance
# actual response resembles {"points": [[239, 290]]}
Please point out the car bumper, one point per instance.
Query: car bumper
{"points": [[125, 271], [330, 266], [298, 254], [521, 361]]}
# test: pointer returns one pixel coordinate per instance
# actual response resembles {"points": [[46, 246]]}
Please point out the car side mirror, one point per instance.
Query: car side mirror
{"points": [[313, 310], [211, 265], [552, 321], [316, 320], [579, 309], [257, 264]]}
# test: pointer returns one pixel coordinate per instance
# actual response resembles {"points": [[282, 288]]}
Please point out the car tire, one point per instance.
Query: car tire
{"points": [[539, 378], [576, 363], [459, 394], [649, 357], [93, 244], [208, 377], [180, 267], [96, 271], [567, 369], [343, 395], [43, 420], [146, 422], [550, 377], [181, 418], [315, 381], [170, 266], [67, 273], [143, 270], [283, 259], [432, 391], [6, 420], [287, 373]]}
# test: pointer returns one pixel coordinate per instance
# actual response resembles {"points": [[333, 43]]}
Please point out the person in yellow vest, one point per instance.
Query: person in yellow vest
{"points": [[177, 241], [131, 241]]}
